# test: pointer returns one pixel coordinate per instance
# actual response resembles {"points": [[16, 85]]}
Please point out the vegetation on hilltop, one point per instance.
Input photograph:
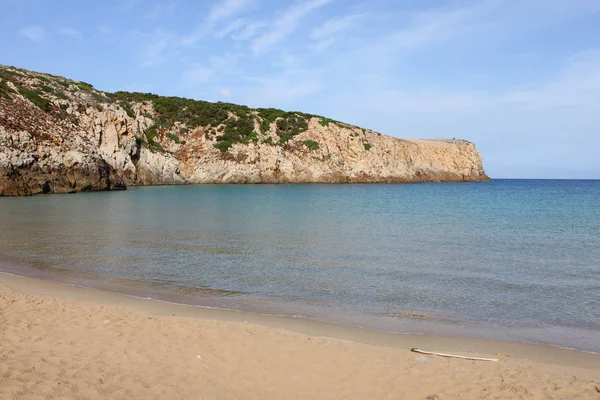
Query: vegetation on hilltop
{"points": [[231, 123], [225, 123], [5, 77]]}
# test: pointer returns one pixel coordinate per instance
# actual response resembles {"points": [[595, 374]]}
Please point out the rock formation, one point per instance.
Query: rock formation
{"points": [[60, 136]]}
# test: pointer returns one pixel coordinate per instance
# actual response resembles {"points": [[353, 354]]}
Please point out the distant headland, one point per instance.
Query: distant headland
{"points": [[60, 136]]}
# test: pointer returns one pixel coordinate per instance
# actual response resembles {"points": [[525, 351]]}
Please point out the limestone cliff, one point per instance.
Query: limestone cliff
{"points": [[59, 135]]}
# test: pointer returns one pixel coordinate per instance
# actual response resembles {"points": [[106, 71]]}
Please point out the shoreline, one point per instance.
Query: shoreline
{"points": [[62, 341], [303, 325], [410, 322]]}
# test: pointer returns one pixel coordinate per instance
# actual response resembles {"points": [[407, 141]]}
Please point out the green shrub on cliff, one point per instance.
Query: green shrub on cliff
{"points": [[155, 146], [5, 76], [4, 90], [311, 144], [325, 121], [290, 125], [174, 137], [35, 98], [236, 130], [193, 113], [233, 123], [233, 120], [84, 85], [268, 116], [127, 108], [284, 138], [224, 145], [150, 134], [328, 121]]}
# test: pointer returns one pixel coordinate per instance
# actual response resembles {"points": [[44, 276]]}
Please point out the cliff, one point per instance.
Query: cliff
{"points": [[60, 136]]}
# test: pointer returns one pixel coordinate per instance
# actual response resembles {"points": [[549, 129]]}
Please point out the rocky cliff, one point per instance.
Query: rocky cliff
{"points": [[59, 136]]}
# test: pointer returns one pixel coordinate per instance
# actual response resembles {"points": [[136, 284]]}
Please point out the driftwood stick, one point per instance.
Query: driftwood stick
{"points": [[451, 355]]}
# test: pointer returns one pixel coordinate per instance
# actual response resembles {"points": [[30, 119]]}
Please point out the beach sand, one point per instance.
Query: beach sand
{"points": [[63, 342]]}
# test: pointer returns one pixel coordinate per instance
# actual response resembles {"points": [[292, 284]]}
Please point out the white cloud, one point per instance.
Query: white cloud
{"points": [[479, 20], [249, 30], [105, 30], [476, 25], [154, 48], [436, 26], [37, 33], [333, 26], [198, 74], [578, 85], [573, 89], [160, 11], [325, 35], [130, 4], [429, 101], [226, 92], [225, 63], [285, 24], [68, 31], [235, 25], [216, 68], [219, 13], [279, 91], [228, 8]]}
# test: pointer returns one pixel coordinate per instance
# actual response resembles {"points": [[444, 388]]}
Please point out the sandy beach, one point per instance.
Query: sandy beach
{"points": [[63, 342]]}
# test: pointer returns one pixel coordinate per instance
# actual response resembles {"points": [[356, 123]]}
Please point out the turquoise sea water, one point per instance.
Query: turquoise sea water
{"points": [[509, 259]]}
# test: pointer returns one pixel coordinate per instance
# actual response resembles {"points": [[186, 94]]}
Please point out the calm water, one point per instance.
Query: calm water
{"points": [[510, 259]]}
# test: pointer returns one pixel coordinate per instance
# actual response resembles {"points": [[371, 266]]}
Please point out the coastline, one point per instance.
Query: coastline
{"points": [[77, 318], [407, 322], [302, 325]]}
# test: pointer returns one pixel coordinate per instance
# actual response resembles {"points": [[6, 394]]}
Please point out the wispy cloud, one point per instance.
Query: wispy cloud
{"points": [[429, 101], [129, 4], [228, 8], [285, 24], [160, 11], [37, 33], [155, 48], [220, 12], [198, 74], [232, 27], [436, 26], [325, 35], [214, 68], [248, 30], [68, 31], [105, 30], [577, 86], [280, 91], [477, 20], [225, 92]]}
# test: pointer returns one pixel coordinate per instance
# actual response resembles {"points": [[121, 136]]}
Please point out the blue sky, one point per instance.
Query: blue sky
{"points": [[521, 78]]}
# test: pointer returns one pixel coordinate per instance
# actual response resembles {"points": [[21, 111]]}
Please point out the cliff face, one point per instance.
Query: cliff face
{"points": [[59, 136]]}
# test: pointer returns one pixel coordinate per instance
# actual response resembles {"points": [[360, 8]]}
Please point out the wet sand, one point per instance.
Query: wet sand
{"points": [[64, 342]]}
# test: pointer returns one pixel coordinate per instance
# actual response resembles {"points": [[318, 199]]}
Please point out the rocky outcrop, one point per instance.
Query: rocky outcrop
{"points": [[60, 136], [343, 156]]}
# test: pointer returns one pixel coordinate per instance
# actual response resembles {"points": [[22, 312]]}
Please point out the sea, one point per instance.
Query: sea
{"points": [[515, 260]]}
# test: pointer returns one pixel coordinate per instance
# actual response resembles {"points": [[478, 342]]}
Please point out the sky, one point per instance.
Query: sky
{"points": [[519, 78]]}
